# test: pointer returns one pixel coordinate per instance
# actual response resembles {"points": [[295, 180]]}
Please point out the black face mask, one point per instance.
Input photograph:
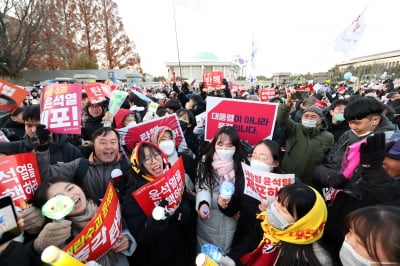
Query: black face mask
{"points": [[183, 124]]}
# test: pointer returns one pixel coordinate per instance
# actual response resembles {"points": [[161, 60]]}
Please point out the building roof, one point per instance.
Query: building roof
{"points": [[205, 56]]}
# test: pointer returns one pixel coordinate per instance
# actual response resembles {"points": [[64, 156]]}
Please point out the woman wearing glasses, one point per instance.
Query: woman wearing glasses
{"points": [[159, 242]]}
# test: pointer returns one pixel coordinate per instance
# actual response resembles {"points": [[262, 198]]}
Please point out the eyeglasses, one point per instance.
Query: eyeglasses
{"points": [[151, 159], [261, 158]]}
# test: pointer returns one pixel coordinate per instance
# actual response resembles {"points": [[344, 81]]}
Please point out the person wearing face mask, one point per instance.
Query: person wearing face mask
{"points": [[364, 116], [336, 123], [264, 156], [306, 142], [124, 118], [220, 161], [298, 210], [373, 237]]}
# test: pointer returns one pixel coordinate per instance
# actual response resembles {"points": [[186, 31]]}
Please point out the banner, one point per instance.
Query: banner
{"points": [[97, 92], [101, 233], [11, 96], [265, 94], [263, 185], [60, 108], [170, 186], [132, 135], [253, 120], [213, 79], [348, 40], [19, 177]]}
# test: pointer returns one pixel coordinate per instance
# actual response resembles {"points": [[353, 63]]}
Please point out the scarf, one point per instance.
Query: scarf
{"points": [[91, 209], [304, 231], [224, 169]]}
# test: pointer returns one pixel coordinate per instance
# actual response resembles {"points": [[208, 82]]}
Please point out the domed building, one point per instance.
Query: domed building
{"points": [[203, 62]]}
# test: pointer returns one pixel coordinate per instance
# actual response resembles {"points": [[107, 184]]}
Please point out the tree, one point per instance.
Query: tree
{"points": [[118, 51], [82, 62], [21, 33]]}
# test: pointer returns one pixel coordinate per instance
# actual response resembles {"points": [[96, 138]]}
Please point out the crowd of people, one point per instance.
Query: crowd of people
{"points": [[337, 212]]}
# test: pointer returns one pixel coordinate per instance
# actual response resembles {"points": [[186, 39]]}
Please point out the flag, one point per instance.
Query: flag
{"points": [[348, 40], [239, 61], [253, 54]]}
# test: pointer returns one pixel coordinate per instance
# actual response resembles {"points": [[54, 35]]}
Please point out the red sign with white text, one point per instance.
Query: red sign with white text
{"points": [[263, 185], [170, 187], [142, 132], [101, 233], [14, 94], [213, 79], [253, 120], [265, 94], [19, 177], [60, 108], [97, 92]]}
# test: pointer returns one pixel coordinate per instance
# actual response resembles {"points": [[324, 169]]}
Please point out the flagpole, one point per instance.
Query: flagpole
{"points": [[176, 39]]}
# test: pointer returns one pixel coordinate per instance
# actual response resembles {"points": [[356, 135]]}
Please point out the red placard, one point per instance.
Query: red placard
{"points": [[170, 186], [14, 93], [101, 233], [263, 185], [213, 79], [253, 120], [97, 92], [265, 94], [142, 132], [19, 177], [60, 108]]}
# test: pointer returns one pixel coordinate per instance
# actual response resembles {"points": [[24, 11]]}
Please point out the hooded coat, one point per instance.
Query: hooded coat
{"points": [[305, 147]]}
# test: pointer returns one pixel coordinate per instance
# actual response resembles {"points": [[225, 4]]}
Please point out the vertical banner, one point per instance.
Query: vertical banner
{"points": [[142, 132], [169, 187], [253, 120], [213, 79], [60, 107], [11, 96], [19, 177], [101, 233], [263, 185]]}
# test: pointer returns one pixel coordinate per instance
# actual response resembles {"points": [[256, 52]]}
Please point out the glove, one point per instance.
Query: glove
{"points": [[55, 233], [337, 180], [41, 138], [373, 151], [33, 220]]}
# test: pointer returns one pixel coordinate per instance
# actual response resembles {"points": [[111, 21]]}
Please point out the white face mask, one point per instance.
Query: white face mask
{"points": [[260, 166], [308, 122], [167, 146], [275, 219], [131, 124], [225, 155], [362, 135], [349, 257]]}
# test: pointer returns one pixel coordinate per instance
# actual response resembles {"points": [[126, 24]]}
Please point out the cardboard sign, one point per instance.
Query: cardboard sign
{"points": [[19, 177], [253, 121], [14, 95], [97, 92], [263, 185], [170, 186], [213, 79], [60, 108], [142, 132], [101, 233], [266, 94]]}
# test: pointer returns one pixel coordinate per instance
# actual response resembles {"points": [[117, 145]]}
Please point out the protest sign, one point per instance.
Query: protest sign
{"points": [[213, 79], [253, 121], [170, 187], [101, 233], [19, 177], [12, 96], [265, 94], [97, 92], [263, 185], [60, 108], [142, 132]]}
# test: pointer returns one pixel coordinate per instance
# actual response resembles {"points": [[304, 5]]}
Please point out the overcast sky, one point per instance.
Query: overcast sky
{"points": [[294, 36]]}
